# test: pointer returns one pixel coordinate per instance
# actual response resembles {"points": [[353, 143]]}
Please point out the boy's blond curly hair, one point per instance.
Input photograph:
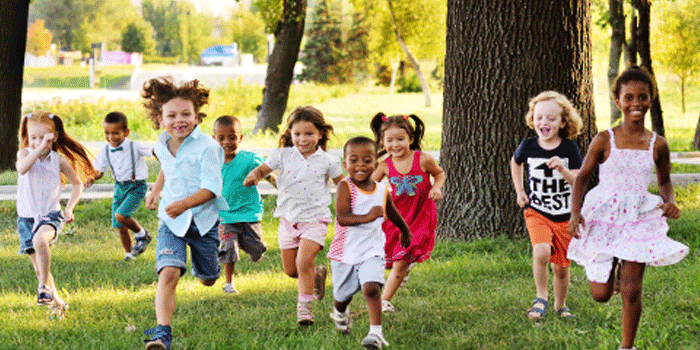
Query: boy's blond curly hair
{"points": [[572, 120]]}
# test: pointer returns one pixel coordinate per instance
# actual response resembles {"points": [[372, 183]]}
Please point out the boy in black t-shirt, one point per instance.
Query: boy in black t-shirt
{"points": [[552, 161]]}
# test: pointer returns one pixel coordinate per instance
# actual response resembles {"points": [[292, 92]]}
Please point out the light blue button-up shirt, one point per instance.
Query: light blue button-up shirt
{"points": [[196, 166]]}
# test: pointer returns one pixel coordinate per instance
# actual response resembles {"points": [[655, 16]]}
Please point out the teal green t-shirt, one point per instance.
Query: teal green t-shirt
{"points": [[245, 204]]}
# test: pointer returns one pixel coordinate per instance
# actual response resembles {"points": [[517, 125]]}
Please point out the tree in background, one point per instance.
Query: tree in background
{"points": [[499, 55], [60, 17], [323, 55], [13, 41], [138, 38], [38, 38], [247, 29], [101, 22]]}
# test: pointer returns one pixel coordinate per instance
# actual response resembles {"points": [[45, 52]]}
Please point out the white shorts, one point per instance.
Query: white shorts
{"points": [[349, 279]]}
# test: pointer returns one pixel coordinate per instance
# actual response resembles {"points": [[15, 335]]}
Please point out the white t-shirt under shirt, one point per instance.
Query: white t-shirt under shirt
{"points": [[120, 159], [302, 183]]}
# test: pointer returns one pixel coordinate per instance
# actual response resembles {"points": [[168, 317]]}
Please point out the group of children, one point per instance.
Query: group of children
{"points": [[207, 199]]}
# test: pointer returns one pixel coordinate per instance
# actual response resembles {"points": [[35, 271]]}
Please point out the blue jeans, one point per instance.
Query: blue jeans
{"points": [[172, 251]]}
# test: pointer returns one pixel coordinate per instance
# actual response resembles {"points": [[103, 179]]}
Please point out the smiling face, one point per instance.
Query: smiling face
{"points": [[547, 121], [397, 142], [634, 100], [228, 136], [305, 137], [115, 134], [360, 162], [178, 118], [35, 135]]}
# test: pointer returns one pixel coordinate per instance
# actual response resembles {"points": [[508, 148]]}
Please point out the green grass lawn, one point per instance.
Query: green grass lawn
{"points": [[469, 295]]}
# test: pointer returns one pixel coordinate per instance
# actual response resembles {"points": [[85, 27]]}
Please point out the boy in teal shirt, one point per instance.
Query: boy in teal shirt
{"points": [[240, 224]]}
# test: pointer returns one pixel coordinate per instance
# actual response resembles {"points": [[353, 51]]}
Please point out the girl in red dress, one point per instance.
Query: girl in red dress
{"points": [[409, 171]]}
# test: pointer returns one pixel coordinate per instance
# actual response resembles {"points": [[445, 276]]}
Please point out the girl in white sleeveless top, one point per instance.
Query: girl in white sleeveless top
{"points": [[46, 153]]}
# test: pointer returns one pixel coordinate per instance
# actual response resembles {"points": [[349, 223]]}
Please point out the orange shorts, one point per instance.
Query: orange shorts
{"points": [[543, 230]]}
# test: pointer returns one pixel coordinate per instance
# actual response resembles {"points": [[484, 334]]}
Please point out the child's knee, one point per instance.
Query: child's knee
{"points": [[630, 291], [371, 290], [560, 272], [208, 283], [120, 218]]}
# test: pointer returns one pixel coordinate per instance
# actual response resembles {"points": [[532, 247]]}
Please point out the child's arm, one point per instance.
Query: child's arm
{"points": [[430, 166], [176, 208], [77, 188], [557, 164], [153, 196], [271, 178], [395, 217], [336, 180], [663, 176], [594, 156], [343, 211], [380, 172], [256, 175], [25, 160], [516, 173], [91, 180]]}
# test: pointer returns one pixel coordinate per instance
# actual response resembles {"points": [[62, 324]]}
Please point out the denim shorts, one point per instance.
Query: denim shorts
{"points": [[171, 250], [25, 229]]}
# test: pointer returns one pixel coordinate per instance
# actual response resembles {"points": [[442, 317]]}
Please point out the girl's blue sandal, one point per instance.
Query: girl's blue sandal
{"points": [[541, 312], [565, 313]]}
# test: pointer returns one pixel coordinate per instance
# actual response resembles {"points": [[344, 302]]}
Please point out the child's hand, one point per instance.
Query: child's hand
{"points": [[523, 199], [376, 212], [670, 210], [175, 209], [47, 141], [555, 163], [435, 194], [68, 216], [251, 179], [152, 201], [406, 238], [89, 181], [574, 222]]}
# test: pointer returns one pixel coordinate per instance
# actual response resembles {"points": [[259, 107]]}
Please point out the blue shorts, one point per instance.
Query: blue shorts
{"points": [[25, 229], [128, 197], [171, 250]]}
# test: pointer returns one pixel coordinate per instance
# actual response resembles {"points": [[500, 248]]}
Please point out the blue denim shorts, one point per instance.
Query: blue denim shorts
{"points": [[172, 251], [25, 229]]}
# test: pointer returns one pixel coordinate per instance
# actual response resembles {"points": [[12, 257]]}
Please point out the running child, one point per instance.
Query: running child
{"points": [[240, 225], [303, 200], [552, 161], [621, 227], [357, 250], [409, 171], [47, 154], [190, 181], [125, 158]]}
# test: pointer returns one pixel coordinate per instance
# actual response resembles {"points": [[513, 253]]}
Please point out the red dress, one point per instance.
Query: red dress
{"points": [[410, 195]]}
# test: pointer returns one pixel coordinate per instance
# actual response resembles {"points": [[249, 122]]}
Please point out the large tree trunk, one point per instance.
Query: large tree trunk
{"points": [[696, 139], [644, 10], [13, 42], [280, 66], [499, 55], [423, 83], [617, 43]]}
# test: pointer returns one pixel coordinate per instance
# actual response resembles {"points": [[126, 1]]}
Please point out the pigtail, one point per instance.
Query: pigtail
{"points": [[418, 132], [77, 155], [23, 134], [376, 125]]}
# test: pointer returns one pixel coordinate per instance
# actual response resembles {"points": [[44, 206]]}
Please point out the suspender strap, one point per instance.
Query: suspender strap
{"points": [[109, 162], [133, 162]]}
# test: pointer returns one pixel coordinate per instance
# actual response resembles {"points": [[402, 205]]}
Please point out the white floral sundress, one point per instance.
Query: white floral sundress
{"points": [[621, 217]]}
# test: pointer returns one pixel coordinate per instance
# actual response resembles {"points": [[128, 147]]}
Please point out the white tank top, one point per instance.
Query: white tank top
{"points": [[39, 189], [354, 244]]}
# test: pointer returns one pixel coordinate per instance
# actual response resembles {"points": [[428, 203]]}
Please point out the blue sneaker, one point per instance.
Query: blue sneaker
{"points": [[161, 338], [141, 244]]}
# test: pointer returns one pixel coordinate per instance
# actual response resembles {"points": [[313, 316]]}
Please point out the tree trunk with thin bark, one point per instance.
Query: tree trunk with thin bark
{"points": [[696, 139], [644, 11], [280, 66], [499, 55], [414, 63], [617, 44], [13, 43]]}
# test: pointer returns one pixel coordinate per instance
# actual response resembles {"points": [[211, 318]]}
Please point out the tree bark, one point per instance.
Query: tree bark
{"points": [[423, 83], [696, 139], [13, 43], [499, 55], [280, 66], [644, 48], [617, 43]]}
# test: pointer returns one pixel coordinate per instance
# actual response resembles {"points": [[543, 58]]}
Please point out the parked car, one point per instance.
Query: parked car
{"points": [[220, 55]]}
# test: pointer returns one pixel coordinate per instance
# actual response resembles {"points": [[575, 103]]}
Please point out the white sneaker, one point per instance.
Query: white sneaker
{"points": [[341, 321], [128, 257], [374, 341], [387, 308], [230, 288]]}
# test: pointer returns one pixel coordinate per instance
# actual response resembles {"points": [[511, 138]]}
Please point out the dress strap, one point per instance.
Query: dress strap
{"points": [[416, 161], [653, 139], [612, 138]]}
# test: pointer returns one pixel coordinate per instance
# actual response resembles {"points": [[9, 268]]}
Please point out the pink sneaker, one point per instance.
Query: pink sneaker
{"points": [[304, 315]]}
